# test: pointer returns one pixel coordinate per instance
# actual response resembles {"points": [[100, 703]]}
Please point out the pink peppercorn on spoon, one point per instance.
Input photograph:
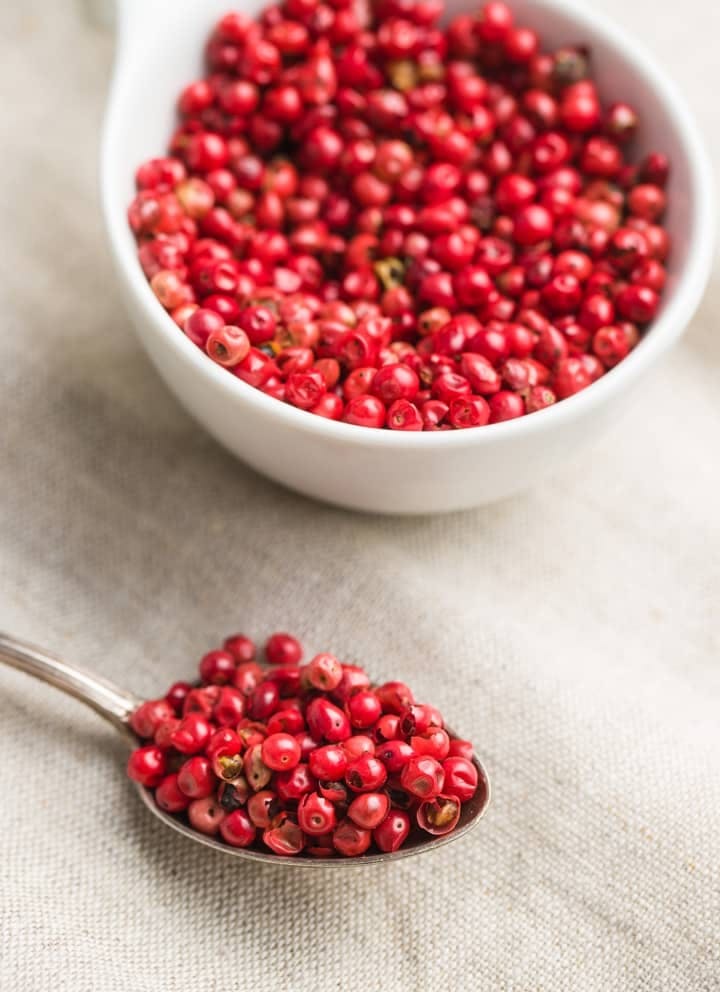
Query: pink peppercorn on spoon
{"points": [[117, 705]]}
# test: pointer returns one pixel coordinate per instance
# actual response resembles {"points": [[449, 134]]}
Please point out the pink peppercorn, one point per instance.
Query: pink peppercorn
{"points": [[322, 765]]}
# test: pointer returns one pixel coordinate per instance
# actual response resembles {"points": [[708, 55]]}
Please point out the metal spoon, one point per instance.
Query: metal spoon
{"points": [[116, 705]]}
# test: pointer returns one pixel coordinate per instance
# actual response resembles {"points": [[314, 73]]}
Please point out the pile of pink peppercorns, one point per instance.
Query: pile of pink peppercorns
{"points": [[300, 758], [396, 224]]}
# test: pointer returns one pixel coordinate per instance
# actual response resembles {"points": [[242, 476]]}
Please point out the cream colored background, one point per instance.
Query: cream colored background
{"points": [[573, 632]]}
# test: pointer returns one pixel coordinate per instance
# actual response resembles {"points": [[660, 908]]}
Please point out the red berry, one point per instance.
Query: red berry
{"points": [[365, 774], [217, 667], [227, 346], [351, 840], [169, 797], [404, 416], [532, 225], [326, 722], [147, 765], [392, 833], [148, 716], [206, 815], [240, 647], [394, 697], [192, 734], [260, 808], [258, 323], [461, 777], [369, 809], [295, 783], [328, 763], [176, 695], [316, 815], [434, 741], [439, 815], [395, 382], [281, 752], [394, 754], [469, 411], [283, 649], [423, 776], [363, 708], [365, 411], [196, 779], [286, 839], [570, 378], [637, 303], [323, 672], [237, 829], [611, 345]]}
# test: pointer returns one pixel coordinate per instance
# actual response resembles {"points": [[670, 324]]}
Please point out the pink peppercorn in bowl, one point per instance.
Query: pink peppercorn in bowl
{"points": [[364, 468]]}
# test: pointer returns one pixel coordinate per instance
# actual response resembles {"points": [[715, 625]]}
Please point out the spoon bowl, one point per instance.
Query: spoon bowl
{"points": [[117, 705]]}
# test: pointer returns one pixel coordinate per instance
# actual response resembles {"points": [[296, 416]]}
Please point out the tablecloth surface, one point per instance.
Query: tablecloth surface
{"points": [[572, 632]]}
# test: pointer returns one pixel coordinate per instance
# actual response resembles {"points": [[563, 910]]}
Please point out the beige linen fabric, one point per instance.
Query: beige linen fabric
{"points": [[573, 632]]}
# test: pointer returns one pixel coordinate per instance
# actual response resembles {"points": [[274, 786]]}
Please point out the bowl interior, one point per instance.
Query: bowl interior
{"points": [[141, 116]]}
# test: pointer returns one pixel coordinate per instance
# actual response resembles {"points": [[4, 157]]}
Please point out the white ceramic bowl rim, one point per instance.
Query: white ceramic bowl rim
{"points": [[677, 309]]}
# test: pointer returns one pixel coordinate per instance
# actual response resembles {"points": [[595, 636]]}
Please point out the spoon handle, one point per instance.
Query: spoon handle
{"points": [[112, 703]]}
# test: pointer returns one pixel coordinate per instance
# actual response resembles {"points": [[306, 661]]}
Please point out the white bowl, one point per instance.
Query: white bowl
{"points": [[379, 470]]}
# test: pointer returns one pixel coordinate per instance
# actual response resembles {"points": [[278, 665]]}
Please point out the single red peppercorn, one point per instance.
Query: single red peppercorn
{"points": [[365, 774], [206, 815], [392, 833], [148, 716], [394, 754], [217, 667], [196, 779], [404, 416], [326, 721], [316, 815], [423, 776], [285, 839], [571, 377], [283, 649], [469, 411], [439, 815], [350, 840], [260, 808], [176, 696], [147, 765], [461, 777], [237, 829], [169, 796], [611, 345], [363, 708], [365, 411], [293, 784], [287, 721], [240, 647], [192, 734], [263, 700], [324, 672], [369, 809], [247, 676], [280, 752]]}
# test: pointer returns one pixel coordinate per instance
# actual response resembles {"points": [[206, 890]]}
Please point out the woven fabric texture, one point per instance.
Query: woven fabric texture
{"points": [[572, 632]]}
